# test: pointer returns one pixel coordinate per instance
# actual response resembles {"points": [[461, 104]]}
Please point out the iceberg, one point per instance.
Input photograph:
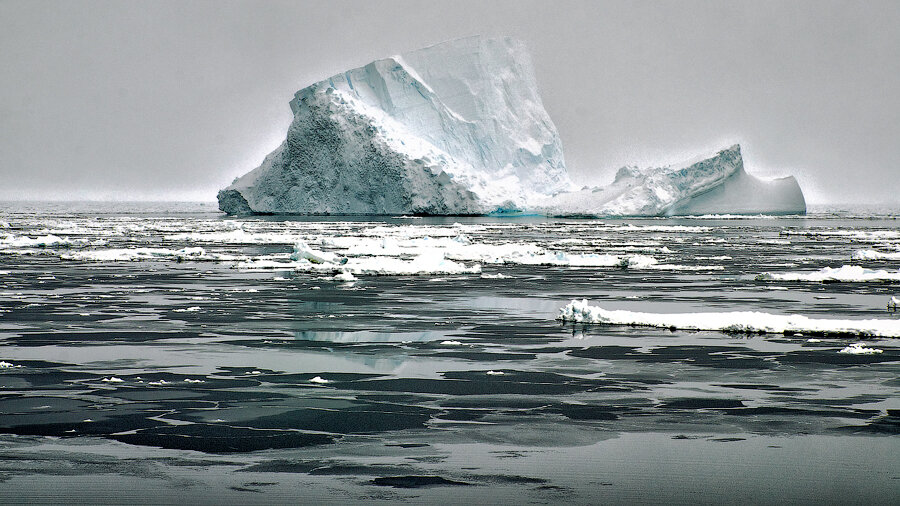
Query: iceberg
{"points": [[455, 128], [459, 128], [706, 185]]}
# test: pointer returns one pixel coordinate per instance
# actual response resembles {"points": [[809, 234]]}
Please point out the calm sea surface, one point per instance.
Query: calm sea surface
{"points": [[164, 352]]}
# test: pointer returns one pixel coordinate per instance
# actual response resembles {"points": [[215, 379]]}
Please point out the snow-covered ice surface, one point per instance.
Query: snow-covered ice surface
{"points": [[459, 128], [166, 351], [732, 322], [851, 273]]}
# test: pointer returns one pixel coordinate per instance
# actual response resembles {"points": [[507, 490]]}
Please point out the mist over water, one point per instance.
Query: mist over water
{"points": [[151, 352]]}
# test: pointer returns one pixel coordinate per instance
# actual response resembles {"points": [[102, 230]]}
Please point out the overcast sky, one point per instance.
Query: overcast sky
{"points": [[172, 100]]}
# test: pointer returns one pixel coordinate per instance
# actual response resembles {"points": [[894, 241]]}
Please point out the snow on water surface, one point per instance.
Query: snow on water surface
{"points": [[735, 321]]}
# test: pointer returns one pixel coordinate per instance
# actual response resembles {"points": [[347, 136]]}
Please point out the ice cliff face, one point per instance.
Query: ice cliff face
{"points": [[456, 128], [713, 184], [459, 128]]}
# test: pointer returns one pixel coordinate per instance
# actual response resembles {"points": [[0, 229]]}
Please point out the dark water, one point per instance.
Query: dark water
{"points": [[140, 371]]}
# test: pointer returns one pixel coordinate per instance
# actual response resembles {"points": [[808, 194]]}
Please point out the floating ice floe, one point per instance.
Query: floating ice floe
{"points": [[844, 273], [112, 379], [234, 237], [45, 241], [870, 254], [429, 262], [661, 228], [137, 254], [737, 321], [358, 248], [860, 349]]}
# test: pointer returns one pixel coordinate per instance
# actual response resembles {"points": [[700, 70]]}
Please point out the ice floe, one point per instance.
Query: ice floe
{"points": [[44, 241], [860, 349], [844, 273], [138, 254], [349, 248], [736, 321], [345, 276], [870, 254]]}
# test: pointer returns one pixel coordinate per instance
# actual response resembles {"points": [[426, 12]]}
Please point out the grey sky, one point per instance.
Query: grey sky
{"points": [[115, 99]]}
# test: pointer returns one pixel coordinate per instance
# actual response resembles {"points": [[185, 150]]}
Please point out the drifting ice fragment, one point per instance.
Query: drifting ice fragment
{"points": [[737, 321], [860, 349]]}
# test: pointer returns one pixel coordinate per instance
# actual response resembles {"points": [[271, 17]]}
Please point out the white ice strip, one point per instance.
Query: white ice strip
{"points": [[432, 262], [45, 241], [661, 228], [462, 248], [844, 273], [860, 235], [869, 254], [737, 321], [138, 254], [732, 217], [234, 237]]}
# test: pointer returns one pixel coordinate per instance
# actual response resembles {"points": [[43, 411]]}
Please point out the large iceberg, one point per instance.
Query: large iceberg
{"points": [[459, 128]]}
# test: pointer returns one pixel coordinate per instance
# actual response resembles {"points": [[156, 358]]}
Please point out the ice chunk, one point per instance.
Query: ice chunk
{"points": [[303, 251], [345, 276], [738, 321], [860, 349]]}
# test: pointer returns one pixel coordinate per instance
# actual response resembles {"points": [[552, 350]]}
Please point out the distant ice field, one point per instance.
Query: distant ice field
{"points": [[144, 346]]}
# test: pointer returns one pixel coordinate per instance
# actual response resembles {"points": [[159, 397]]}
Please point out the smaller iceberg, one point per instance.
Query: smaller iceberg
{"points": [[711, 184]]}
